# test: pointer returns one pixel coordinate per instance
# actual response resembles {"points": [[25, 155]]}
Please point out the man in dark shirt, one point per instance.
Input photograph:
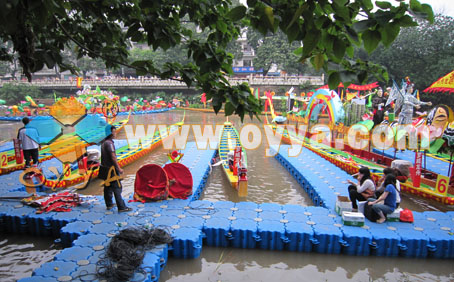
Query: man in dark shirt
{"points": [[109, 160], [378, 105]]}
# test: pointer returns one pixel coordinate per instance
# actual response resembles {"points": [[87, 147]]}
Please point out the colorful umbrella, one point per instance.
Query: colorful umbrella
{"points": [[443, 84]]}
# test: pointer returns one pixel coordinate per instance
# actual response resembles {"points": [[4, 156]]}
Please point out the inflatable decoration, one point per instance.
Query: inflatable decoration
{"points": [[110, 109], [438, 119], [68, 111]]}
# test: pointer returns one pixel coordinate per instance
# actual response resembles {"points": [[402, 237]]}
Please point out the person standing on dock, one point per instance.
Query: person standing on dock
{"points": [[29, 140], [112, 184]]}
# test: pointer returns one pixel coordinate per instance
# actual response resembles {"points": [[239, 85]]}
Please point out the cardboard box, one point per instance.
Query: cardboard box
{"points": [[343, 204], [361, 206], [353, 218], [395, 216]]}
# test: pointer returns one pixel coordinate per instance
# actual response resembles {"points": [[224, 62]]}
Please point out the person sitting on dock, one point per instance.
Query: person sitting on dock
{"points": [[381, 186], [386, 204], [362, 191]]}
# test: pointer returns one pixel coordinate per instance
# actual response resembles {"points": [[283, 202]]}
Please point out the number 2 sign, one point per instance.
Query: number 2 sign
{"points": [[442, 185], [3, 159]]}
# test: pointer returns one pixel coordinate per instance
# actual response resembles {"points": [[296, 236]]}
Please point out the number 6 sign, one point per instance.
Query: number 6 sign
{"points": [[442, 185]]}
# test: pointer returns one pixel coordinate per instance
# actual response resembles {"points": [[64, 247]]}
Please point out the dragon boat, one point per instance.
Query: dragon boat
{"points": [[63, 145], [350, 160], [233, 157], [126, 153]]}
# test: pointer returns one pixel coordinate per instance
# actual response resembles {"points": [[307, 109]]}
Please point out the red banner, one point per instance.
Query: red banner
{"points": [[18, 152], [236, 160], [355, 87], [416, 171]]}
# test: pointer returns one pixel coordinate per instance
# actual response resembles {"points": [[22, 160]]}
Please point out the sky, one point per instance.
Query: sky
{"points": [[445, 7]]}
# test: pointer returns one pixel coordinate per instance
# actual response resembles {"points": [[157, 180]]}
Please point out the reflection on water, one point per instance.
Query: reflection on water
{"points": [[268, 182], [20, 255], [217, 264]]}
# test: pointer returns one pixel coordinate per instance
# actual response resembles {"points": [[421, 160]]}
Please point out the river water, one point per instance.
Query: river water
{"points": [[268, 182]]}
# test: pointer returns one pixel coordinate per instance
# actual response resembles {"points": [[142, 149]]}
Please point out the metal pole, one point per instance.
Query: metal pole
{"points": [[450, 161]]}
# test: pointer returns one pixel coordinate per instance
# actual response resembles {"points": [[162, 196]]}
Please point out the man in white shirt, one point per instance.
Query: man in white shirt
{"points": [[29, 139]]}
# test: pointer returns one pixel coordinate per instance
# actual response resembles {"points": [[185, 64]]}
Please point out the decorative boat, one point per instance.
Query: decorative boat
{"points": [[234, 160], [125, 155], [351, 160], [61, 146]]}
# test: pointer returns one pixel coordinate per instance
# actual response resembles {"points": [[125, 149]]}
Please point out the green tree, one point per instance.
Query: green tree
{"points": [[274, 49], [13, 93], [270, 50], [424, 52], [40, 30]]}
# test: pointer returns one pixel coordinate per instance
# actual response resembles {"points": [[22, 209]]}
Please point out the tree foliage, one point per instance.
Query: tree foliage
{"points": [[14, 92], [424, 53], [274, 49], [40, 31]]}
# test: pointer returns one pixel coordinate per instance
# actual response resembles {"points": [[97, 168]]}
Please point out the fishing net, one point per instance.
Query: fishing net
{"points": [[126, 251]]}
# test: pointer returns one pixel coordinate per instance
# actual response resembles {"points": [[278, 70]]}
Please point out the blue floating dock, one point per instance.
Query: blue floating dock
{"points": [[87, 229]]}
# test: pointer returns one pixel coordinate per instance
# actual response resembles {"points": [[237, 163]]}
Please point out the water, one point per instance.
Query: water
{"points": [[20, 254], [268, 182]]}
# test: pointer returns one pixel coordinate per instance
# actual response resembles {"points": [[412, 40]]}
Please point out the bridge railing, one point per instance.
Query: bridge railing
{"points": [[156, 82]]}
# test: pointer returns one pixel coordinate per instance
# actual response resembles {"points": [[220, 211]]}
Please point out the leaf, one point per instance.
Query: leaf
{"points": [[237, 13], [229, 109], [298, 51], [293, 32], [310, 41], [333, 80], [415, 5], [362, 75], [364, 25], [341, 11], [405, 21], [389, 33], [327, 41], [350, 51], [368, 4], [319, 61], [428, 10], [383, 4], [352, 34], [269, 17], [339, 48], [297, 14], [371, 38]]}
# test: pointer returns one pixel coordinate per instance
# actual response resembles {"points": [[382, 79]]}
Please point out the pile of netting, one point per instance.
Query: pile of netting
{"points": [[126, 251]]}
